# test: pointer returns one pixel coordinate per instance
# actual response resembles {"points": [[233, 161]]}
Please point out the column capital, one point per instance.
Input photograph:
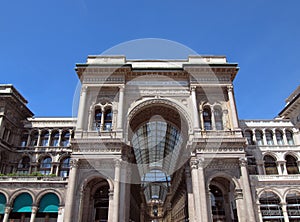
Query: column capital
{"points": [[74, 163], [110, 194], [7, 209], [243, 161], [121, 88], [193, 88], [60, 210], [229, 88], [84, 89], [194, 164], [34, 209], [117, 162], [238, 194]]}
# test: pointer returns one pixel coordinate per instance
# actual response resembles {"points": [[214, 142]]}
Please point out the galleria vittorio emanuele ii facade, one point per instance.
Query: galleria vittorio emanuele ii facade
{"points": [[153, 140]]}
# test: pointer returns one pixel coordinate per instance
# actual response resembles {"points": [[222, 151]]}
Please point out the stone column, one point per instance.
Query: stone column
{"points": [[279, 167], [195, 109], [283, 164], [34, 210], [28, 139], [298, 163], [201, 119], [39, 138], [247, 190], [60, 216], [284, 212], [120, 108], [49, 137], [110, 205], [274, 137], [6, 213], [196, 190], [71, 191], [70, 136], [116, 190], [102, 120], [259, 213], [59, 138], [254, 137], [213, 120], [234, 119], [81, 108], [238, 197], [202, 189], [190, 197], [285, 142], [265, 142]]}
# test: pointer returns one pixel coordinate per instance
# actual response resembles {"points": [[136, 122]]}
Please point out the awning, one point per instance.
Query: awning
{"points": [[2, 203], [23, 203], [49, 203]]}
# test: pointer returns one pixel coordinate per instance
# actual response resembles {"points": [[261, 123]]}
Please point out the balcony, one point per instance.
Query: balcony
{"points": [[275, 178], [33, 179]]}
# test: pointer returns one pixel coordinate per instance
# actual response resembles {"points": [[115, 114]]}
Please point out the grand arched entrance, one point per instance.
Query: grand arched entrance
{"points": [[95, 202], [158, 137]]}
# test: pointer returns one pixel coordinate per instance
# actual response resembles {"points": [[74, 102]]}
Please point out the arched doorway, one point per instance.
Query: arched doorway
{"points": [[95, 201], [222, 201], [158, 135]]}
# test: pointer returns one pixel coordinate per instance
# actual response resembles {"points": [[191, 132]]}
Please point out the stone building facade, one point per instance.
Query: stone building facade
{"points": [[154, 140]]}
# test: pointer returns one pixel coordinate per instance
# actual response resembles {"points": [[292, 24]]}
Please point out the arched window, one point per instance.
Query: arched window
{"points": [[270, 165], [207, 118], [259, 138], [54, 138], [107, 119], [291, 165], [98, 118], [270, 207], [279, 137], [218, 118], [269, 137], [289, 137], [24, 139], [44, 138], [34, 138], [65, 138], [64, 167], [293, 206], [24, 164], [249, 137], [45, 166]]}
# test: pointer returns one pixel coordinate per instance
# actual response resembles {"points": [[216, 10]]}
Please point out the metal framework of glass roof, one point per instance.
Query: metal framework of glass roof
{"points": [[156, 147]]}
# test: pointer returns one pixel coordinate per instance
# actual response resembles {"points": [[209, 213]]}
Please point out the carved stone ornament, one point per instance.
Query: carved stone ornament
{"points": [[194, 164], [243, 161], [238, 194], [74, 163]]}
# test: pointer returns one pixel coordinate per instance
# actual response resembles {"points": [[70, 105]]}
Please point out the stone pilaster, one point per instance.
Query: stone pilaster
{"points": [[196, 190], [195, 109], [247, 191], [69, 217]]}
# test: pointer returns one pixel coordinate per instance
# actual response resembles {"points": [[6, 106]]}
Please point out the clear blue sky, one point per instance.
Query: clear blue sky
{"points": [[40, 42]]}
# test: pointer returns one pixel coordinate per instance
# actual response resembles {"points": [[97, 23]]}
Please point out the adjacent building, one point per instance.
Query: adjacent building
{"points": [[154, 140]]}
